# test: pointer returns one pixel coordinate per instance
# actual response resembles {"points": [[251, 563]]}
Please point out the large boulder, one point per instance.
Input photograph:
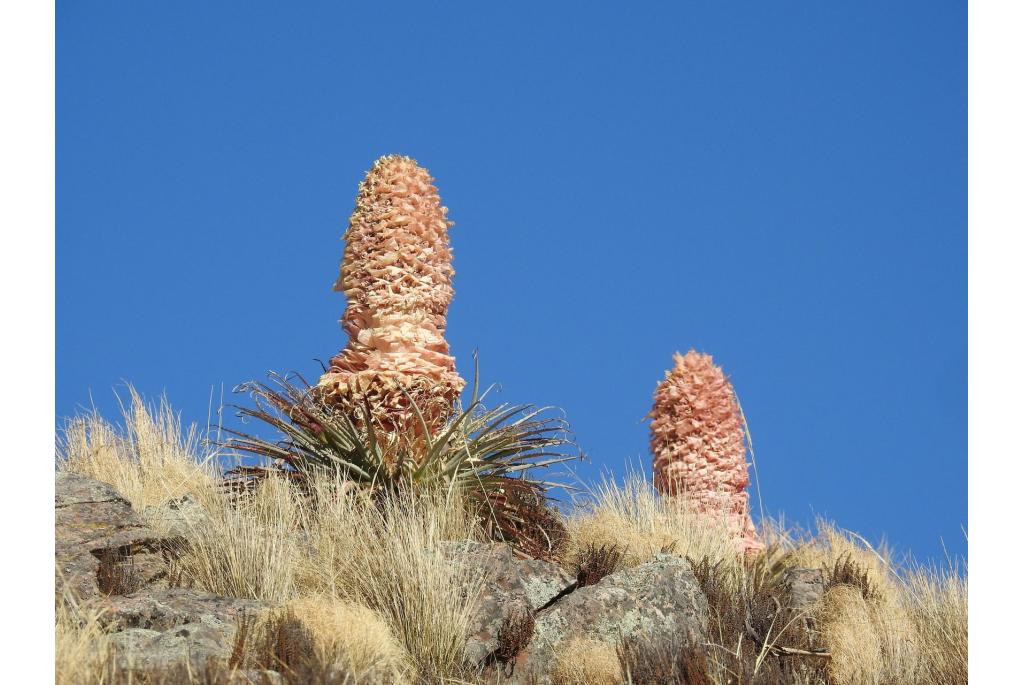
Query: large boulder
{"points": [[179, 654], [108, 559], [164, 609], [513, 586], [659, 600], [164, 628], [102, 546], [192, 644]]}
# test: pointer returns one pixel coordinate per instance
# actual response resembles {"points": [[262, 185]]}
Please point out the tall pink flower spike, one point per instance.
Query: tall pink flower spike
{"points": [[699, 448], [396, 274]]}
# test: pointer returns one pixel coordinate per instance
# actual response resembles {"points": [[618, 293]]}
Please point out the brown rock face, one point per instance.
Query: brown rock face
{"points": [[397, 275], [101, 546], [698, 442]]}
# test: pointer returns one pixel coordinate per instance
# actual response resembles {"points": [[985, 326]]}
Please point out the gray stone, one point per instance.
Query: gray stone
{"points": [[513, 584], [657, 600], [192, 643], [101, 545], [164, 609], [804, 587], [173, 626]]}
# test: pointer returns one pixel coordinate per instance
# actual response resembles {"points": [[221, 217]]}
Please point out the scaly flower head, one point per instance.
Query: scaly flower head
{"points": [[697, 439], [397, 276]]}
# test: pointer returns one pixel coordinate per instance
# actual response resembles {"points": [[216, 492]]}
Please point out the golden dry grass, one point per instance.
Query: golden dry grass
{"points": [[274, 545], [353, 635], [82, 652], [633, 516], [248, 548], [831, 545], [935, 603], [151, 458], [911, 629], [392, 559], [850, 629], [586, 662]]}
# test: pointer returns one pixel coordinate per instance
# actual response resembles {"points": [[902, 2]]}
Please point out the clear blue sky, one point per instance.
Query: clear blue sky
{"points": [[782, 185]]}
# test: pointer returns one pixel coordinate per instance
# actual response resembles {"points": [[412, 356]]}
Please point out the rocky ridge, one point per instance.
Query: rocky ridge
{"points": [[107, 557]]}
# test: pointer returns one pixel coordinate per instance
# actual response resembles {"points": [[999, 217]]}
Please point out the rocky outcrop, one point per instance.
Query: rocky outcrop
{"points": [[657, 600], [161, 628], [102, 546], [108, 559], [141, 649], [164, 609], [513, 586], [804, 587]]}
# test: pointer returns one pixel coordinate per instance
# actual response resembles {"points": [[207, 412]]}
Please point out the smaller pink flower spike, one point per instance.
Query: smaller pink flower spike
{"points": [[699, 445]]}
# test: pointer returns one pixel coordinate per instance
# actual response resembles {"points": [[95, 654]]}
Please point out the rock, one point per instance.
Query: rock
{"points": [[513, 585], [804, 587], [164, 609], [177, 517], [101, 545], [657, 600], [174, 626], [192, 643]]}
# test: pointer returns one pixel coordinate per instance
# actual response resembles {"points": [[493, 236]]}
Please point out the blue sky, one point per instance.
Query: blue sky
{"points": [[782, 185]]}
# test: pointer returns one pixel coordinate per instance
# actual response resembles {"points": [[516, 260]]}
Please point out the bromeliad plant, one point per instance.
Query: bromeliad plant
{"points": [[482, 455], [385, 414]]}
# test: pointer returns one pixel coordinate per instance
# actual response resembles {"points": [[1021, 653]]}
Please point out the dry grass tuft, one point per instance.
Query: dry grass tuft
{"points": [[350, 634], [848, 555], [247, 547], [392, 558], [936, 607], [846, 571], [654, 662], [82, 653], [633, 517], [586, 662], [872, 636], [849, 627], [151, 459], [749, 629], [284, 643]]}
